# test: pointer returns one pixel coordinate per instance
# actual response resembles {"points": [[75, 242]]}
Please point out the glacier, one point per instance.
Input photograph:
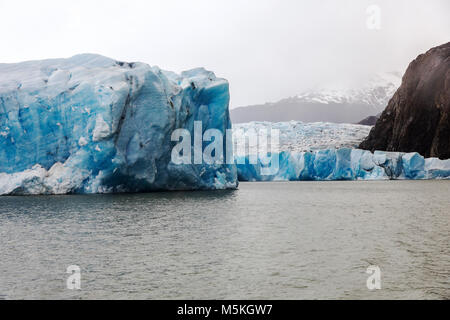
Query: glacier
{"points": [[323, 151], [91, 124], [298, 136], [344, 164]]}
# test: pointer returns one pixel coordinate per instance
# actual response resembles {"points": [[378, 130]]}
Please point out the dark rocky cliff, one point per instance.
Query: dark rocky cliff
{"points": [[417, 117]]}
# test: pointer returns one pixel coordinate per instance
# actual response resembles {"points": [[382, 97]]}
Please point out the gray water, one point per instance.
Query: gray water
{"points": [[297, 240]]}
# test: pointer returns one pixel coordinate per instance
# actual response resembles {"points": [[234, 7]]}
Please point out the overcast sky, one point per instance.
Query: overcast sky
{"points": [[267, 49]]}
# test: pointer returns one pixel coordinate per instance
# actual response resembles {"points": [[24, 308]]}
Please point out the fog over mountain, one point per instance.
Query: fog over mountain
{"points": [[330, 105]]}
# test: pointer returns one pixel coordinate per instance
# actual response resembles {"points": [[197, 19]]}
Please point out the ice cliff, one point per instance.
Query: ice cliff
{"points": [[344, 164], [91, 124], [325, 151]]}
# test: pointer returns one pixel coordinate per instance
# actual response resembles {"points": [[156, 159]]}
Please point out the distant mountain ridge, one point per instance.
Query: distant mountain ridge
{"points": [[370, 121], [327, 105]]}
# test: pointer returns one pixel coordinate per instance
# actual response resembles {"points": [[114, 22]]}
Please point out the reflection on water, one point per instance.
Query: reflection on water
{"points": [[298, 240]]}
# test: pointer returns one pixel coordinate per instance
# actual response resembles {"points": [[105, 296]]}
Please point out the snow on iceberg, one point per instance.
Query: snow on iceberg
{"points": [[91, 124], [345, 164]]}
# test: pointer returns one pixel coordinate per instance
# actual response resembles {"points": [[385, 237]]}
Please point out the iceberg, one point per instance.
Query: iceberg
{"points": [[345, 164], [91, 124]]}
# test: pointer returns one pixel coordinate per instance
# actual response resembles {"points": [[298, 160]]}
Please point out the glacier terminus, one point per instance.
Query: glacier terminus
{"points": [[323, 151], [343, 164]]}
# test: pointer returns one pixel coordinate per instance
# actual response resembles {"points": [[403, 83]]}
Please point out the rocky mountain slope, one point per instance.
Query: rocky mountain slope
{"points": [[417, 118]]}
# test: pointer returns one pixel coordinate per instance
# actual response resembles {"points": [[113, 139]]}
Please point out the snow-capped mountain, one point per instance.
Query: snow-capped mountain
{"points": [[325, 104], [376, 92]]}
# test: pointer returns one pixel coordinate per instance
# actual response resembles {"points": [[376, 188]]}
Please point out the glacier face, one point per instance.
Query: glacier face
{"points": [[325, 151], [345, 164], [91, 124]]}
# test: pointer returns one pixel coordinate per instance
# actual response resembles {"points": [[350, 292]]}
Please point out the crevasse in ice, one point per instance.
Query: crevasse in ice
{"points": [[91, 124]]}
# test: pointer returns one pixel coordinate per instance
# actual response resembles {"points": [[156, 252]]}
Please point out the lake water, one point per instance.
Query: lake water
{"points": [[296, 240]]}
